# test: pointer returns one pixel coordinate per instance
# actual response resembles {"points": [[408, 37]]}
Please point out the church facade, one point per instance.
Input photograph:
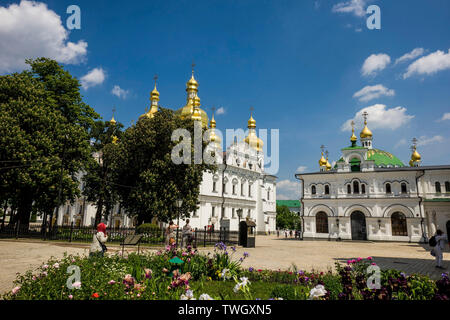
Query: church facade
{"points": [[238, 190], [371, 195]]}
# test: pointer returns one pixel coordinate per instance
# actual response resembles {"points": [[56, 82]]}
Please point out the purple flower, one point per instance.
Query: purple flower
{"points": [[251, 269], [245, 254]]}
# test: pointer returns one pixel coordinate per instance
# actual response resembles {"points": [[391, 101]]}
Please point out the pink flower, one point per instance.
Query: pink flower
{"points": [[76, 285], [353, 261], [70, 296], [15, 290], [369, 258], [188, 259], [44, 273], [373, 263], [349, 261], [359, 259], [45, 266], [111, 282], [56, 266]]}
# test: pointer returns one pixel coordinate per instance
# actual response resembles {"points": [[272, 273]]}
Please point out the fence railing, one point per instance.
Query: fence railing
{"points": [[201, 237]]}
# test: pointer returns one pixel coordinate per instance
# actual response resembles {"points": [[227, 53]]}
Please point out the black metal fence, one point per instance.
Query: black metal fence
{"points": [[71, 233]]}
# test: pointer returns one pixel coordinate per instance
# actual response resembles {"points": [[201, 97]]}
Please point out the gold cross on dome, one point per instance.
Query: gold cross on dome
{"points": [[365, 114], [213, 109], [155, 78], [193, 66], [353, 125], [322, 147], [326, 154], [414, 141], [114, 110]]}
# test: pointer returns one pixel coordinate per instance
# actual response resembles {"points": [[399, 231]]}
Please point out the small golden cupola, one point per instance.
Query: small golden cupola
{"points": [[327, 165], [366, 134], [154, 99], [415, 156], [353, 138], [322, 160], [213, 137], [252, 139], [196, 114]]}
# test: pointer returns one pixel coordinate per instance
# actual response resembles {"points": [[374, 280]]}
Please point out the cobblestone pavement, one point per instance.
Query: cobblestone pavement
{"points": [[270, 253]]}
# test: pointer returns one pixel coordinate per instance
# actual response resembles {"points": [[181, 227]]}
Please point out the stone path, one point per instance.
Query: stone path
{"points": [[271, 253]]}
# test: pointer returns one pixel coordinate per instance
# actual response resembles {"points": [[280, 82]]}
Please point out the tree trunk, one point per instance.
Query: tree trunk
{"points": [[98, 215], [23, 212]]}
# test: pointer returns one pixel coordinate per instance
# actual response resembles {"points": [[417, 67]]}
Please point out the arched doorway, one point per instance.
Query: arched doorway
{"points": [[398, 224], [358, 221]]}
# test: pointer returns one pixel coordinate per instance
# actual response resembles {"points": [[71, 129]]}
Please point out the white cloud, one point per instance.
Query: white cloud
{"points": [[31, 30], [353, 6], [119, 92], [220, 111], [445, 116], [301, 169], [92, 78], [288, 190], [410, 55], [423, 140], [380, 117], [375, 63], [432, 63], [372, 92], [402, 142]]}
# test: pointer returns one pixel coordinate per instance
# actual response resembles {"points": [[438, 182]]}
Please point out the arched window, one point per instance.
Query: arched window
{"points": [[404, 190], [398, 222], [327, 189], [388, 188], [321, 222], [349, 189], [363, 188], [447, 186], [355, 164], [313, 189], [355, 187], [438, 187]]}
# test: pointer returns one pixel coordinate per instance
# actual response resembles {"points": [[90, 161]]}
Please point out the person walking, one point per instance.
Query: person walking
{"points": [[98, 247], [187, 234], [439, 248], [170, 233]]}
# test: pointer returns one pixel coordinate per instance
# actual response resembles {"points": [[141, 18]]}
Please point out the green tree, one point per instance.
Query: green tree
{"points": [[99, 175], [44, 132], [286, 219], [147, 180]]}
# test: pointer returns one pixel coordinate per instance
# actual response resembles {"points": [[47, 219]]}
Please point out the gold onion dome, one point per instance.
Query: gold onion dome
{"points": [[252, 139], [154, 95], [415, 155], [213, 137], [113, 121], [328, 165], [187, 111], [365, 133], [322, 161], [353, 138]]}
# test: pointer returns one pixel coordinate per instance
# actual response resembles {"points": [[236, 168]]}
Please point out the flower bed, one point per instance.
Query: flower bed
{"points": [[185, 274]]}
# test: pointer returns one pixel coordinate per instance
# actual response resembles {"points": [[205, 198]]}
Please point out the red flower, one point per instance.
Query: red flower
{"points": [[95, 295], [259, 270]]}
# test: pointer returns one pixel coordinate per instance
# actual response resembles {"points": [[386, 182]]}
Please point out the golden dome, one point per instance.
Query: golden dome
{"points": [[113, 121], [252, 139], [365, 133], [353, 138], [192, 84], [251, 123], [213, 137], [322, 161], [411, 163], [328, 165], [154, 95], [415, 156]]}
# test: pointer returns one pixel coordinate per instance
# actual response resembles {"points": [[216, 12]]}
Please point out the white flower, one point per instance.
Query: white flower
{"points": [[244, 282], [45, 266], [226, 274], [205, 296], [56, 265], [77, 285], [15, 290], [317, 292], [188, 296]]}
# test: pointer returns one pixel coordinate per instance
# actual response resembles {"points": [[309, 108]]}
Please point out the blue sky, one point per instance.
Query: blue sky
{"points": [[298, 63]]}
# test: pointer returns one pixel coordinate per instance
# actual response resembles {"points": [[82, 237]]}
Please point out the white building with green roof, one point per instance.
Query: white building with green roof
{"points": [[372, 195]]}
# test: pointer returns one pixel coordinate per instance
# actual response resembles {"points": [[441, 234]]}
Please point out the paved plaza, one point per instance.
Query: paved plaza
{"points": [[270, 253]]}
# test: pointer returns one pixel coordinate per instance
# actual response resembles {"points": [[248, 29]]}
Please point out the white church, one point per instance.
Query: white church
{"points": [[238, 190], [371, 195]]}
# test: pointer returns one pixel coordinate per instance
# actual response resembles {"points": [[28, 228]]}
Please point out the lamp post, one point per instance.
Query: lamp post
{"points": [[178, 203], [338, 231]]}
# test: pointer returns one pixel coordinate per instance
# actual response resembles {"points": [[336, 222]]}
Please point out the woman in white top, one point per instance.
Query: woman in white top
{"points": [[99, 239], [439, 248]]}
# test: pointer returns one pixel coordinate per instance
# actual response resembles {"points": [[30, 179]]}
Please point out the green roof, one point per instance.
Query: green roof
{"points": [[437, 200], [383, 158], [289, 203]]}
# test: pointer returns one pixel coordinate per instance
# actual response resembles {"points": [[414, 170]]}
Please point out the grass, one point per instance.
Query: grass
{"points": [[259, 289]]}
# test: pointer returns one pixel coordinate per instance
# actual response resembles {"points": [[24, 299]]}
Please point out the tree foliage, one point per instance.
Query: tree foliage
{"points": [[44, 131], [99, 173], [148, 182], [286, 219]]}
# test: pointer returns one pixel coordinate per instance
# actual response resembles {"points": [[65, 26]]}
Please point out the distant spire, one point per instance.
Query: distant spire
{"points": [[113, 121]]}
